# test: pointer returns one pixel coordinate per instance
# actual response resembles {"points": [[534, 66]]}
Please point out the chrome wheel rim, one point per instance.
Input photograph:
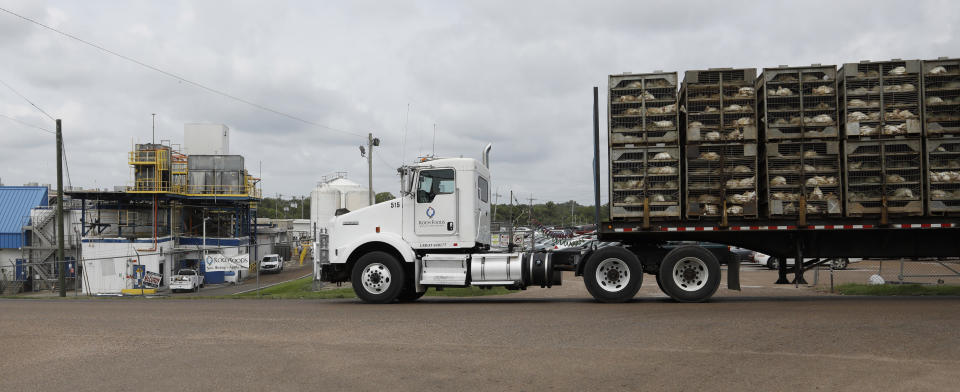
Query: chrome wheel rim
{"points": [[690, 274], [613, 275], [376, 278]]}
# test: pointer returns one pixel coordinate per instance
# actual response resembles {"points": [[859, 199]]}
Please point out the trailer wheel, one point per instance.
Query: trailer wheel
{"points": [[377, 278], [773, 263], [690, 274], [613, 274]]}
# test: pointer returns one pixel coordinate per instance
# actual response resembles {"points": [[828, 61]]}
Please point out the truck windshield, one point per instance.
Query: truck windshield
{"points": [[433, 183]]}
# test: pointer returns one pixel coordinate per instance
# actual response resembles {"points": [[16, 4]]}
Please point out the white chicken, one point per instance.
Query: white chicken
{"points": [[712, 136], [709, 156], [785, 196], [809, 168], [817, 194], [866, 130], [897, 71], [742, 198], [632, 112], [735, 210], [895, 179], [938, 194], [734, 108], [810, 154], [631, 200], [745, 92], [822, 90], [710, 109], [635, 84], [744, 121], [662, 170], [857, 103], [780, 91], [857, 116], [934, 101], [903, 193], [735, 135], [627, 98], [819, 119], [656, 197], [740, 169], [621, 138], [821, 180], [662, 156], [710, 209], [663, 123], [695, 124], [778, 180], [938, 70], [648, 95], [895, 129], [900, 115]]}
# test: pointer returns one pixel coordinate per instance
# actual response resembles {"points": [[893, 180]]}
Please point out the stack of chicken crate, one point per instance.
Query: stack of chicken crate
{"points": [[798, 111], [941, 112], [881, 109], [644, 146], [720, 147]]}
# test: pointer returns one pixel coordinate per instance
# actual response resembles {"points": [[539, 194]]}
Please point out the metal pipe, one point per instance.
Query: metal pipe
{"points": [[62, 270], [596, 157]]}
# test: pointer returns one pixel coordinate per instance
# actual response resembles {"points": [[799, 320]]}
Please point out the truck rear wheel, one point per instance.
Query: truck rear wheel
{"points": [[377, 278], [613, 274], [689, 274]]}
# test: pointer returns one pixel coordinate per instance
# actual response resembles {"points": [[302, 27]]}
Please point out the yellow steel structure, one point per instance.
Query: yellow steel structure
{"points": [[160, 169]]}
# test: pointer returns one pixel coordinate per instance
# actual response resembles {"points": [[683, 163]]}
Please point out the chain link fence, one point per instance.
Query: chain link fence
{"points": [[932, 271]]}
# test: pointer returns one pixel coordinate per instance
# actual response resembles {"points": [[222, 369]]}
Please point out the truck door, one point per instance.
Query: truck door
{"points": [[436, 207]]}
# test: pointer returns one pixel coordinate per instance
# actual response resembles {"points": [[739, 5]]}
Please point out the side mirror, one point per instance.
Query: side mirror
{"points": [[406, 181]]}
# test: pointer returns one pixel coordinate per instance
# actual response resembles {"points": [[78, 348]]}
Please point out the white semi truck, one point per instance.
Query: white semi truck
{"points": [[437, 234]]}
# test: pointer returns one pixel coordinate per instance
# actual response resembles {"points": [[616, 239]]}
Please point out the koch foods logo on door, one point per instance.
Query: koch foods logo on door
{"points": [[431, 212], [430, 221]]}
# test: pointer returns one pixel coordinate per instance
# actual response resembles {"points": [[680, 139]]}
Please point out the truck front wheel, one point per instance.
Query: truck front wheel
{"points": [[613, 274], [689, 274], [377, 278]]}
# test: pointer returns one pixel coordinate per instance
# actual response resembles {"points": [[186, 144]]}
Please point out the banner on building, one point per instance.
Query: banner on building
{"points": [[223, 263], [152, 279]]}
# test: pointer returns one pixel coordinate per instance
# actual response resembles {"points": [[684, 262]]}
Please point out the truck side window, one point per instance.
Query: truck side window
{"points": [[483, 189], [433, 183]]}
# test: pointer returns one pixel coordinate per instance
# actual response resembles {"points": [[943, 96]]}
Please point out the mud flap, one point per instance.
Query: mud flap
{"points": [[733, 275]]}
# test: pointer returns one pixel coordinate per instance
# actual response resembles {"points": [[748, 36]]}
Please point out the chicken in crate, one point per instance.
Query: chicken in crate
{"points": [[941, 97], [799, 103], [721, 180], [643, 109], [645, 181], [720, 105], [883, 175], [881, 100], [803, 173], [943, 183]]}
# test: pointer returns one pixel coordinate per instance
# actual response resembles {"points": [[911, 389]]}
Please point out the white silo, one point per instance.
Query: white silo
{"points": [[330, 196]]}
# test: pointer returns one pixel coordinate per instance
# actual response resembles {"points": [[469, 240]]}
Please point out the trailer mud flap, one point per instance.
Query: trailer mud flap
{"points": [[733, 275]]}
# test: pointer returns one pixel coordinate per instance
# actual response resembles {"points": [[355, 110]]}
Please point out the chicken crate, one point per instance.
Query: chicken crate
{"points": [[647, 172], [943, 177], [721, 178], [643, 109], [806, 168], [879, 170], [881, 100], [941, 97], [720, 105], [799, 103]]}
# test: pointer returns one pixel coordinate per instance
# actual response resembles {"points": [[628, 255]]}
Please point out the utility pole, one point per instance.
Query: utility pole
{"points": [[531, 199], [510, 241], [153, 128], [496, 198], [61, 269], [371, 143]]}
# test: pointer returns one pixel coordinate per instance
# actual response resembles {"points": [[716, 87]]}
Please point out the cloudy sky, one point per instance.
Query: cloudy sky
{"points": [[515, 73]]}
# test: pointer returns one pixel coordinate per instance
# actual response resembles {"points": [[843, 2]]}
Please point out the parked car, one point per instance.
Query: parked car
{"points": [[271, 263], [561, 233], [742, 255], [774, 262], [186, 279]]}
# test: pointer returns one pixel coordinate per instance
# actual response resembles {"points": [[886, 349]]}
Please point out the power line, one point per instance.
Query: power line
{"points": [[28, 124], [28, 100], [180, 78]]}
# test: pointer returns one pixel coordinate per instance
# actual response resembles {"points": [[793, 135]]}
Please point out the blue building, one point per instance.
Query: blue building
{"points": [[16, 203]]}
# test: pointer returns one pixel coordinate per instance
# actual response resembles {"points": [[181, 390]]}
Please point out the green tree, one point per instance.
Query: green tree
{"points": [[384, 196]]}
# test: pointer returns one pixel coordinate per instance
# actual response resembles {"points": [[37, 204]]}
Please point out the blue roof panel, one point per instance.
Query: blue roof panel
{"points": [[15, 205]]}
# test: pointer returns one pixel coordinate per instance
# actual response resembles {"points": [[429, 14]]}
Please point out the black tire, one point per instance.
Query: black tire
{"points": [[696, 269], [773, 263], [839, 264], [620, 264], [388, 278]]}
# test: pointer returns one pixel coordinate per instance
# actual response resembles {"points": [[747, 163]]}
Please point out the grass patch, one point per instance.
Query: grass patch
{"points": [[302, 289], [897, 289]]}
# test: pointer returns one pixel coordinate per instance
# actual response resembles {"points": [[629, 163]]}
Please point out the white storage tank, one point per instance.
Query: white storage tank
{"points": [[335, 194], [206, 139]]}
